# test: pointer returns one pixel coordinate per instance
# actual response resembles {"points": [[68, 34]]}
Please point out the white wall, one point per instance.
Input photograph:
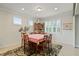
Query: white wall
{"points": [[9, 34], [77, 31], [65, 36]]}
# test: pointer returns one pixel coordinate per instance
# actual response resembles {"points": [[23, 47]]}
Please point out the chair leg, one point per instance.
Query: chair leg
{"points": [[49, 50], [24, 46]]}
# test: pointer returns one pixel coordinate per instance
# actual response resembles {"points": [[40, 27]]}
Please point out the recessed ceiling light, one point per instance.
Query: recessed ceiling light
{"points": [[22, 9], [39, 9], [55, 8]]}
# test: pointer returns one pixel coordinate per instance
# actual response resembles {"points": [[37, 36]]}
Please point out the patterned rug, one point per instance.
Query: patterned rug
{"points": [[20, 52]]}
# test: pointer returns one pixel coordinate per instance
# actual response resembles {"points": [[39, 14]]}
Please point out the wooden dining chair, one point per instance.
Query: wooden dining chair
{"points": [[43, 44], [22, 39], [26, 44], [47, 48]]}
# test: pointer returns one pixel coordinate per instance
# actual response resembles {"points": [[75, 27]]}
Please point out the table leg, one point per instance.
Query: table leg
{"points": [[36, 49]]}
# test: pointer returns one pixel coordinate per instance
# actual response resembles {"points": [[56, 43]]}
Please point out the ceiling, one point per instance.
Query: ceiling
{"points": [[30, 8]]}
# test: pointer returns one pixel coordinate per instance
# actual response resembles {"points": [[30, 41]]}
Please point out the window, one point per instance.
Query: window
{"points": [[52, 26], [17, 20]]}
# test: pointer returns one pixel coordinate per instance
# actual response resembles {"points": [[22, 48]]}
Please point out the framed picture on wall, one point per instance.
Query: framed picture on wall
{"points": [[67, 26]]}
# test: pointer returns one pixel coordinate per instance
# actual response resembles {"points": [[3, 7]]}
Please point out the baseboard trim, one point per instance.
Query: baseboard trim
{"points": [[77, 46]]}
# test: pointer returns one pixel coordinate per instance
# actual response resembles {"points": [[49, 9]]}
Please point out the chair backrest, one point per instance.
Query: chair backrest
{"points": [[50, 37], [25, 37], [46, 37], [22, 35]]}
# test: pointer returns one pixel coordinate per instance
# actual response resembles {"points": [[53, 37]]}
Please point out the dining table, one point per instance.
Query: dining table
{"points": [[37, 39]]}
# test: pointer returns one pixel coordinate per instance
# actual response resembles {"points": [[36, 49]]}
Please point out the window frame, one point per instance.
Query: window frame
{"points": [[17, 20]]}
